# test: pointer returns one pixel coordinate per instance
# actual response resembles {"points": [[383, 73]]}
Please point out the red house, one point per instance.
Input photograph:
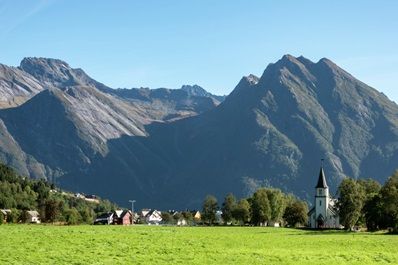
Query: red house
{"points": [[124, 217]]}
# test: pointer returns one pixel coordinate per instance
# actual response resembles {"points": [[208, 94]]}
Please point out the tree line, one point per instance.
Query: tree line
{"points": [[265, 206], [21, 194], [365, 203]]}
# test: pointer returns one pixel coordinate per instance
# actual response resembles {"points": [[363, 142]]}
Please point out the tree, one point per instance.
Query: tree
{"points": [[227, 208], [72, 216], [389, 198], [241, 212], [261, 210], [277, 204], [373, 214], [13, 216], [210, 206], [296, 213], [188, 217], [351, 202], [51, 210], [167, 218]]}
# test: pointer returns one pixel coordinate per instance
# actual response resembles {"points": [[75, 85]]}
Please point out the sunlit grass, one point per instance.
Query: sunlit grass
{"points": [[40, 244]]}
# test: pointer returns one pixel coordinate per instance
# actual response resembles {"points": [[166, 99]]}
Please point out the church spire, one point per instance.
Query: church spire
{"points": [[321, 179]]}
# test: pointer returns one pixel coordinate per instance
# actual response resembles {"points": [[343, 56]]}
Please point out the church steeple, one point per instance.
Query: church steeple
{"points": [[321, 180]]}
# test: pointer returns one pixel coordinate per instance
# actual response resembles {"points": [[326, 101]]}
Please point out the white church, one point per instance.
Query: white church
{"points": [[323, 214]]}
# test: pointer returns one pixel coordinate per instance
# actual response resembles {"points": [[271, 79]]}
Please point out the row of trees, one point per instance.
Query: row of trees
{"points": [[267, 205], [23, 194], [367, 203]]}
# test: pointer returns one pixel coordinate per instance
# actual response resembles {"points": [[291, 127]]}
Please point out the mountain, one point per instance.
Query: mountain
{"points": [[68, 117], [168, 148], [16, 86]]}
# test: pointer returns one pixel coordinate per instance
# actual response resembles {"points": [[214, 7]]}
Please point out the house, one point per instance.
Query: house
{"points": [[219, 219], [153, 217], [5, 212], [92, 198], [182, 221], [196, 216], [273, 224], [143, 213], [123, 217], [33, 217], [105, 219], [323, 213]]}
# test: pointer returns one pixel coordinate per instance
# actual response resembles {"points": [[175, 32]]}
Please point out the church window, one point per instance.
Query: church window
{"points": [[319, 192], [320, 203]]}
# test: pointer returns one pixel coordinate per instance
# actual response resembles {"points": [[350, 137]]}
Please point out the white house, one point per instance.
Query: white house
{"points": [[323, 214], [33, 217], [153, 217]]}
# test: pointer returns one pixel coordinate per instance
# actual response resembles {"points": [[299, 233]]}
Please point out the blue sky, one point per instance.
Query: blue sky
{"points": [[207, 42]]}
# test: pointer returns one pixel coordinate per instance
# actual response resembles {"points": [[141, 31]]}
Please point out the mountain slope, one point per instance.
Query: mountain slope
{"points": [[16, 86], [271, 130]]}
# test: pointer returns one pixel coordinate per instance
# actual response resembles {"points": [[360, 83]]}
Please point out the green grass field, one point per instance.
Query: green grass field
{"points": [[41, 244]]}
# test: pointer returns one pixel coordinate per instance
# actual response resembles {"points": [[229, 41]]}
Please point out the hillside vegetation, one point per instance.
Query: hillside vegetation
{"points": [[21, 194]]}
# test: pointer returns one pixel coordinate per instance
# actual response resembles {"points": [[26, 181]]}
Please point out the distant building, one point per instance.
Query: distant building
{"points": [[196, 216], [323, 214], [153, 217], [124, 217], [33, 217], [5, 212], [105, 219]]}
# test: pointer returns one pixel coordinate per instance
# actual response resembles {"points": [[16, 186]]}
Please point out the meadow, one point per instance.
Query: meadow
{"points": [[47, 244]]}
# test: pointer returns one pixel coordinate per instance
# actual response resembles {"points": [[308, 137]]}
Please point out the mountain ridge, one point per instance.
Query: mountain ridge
{"points": [[270, 130]]}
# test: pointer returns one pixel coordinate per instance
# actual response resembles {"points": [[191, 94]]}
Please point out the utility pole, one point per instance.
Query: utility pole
{"points": [[132, 206]]}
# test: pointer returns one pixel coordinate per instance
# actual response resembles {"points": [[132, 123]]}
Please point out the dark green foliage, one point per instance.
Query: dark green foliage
{"points": [[23, 194], [296, 214], [13, 216], [351, 202], [389, 198], [167, 218], [261, 208], [188, 217], [241, 212], [227, 208], [277, 204], [210, 207], [72, 216], [2, 217]]}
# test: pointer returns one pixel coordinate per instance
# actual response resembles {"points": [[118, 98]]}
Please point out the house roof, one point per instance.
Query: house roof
{"points": [[5, 211], [321, 180], [125, 212], [33, 213]]}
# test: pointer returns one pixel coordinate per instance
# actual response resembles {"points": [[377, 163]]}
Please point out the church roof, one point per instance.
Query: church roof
{"points": [[321, 180]]}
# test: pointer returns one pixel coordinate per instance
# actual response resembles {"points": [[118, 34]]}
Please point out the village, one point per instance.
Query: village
{"points": [[266, 207], [321, 215]]}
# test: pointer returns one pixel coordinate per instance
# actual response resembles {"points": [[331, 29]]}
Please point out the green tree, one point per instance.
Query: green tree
{"points": [[241, 212], [389, 198], [52, 211], [188, 217], [261, 209], [13, 216], [210, 206], [167, 218], [277, 204], [373, 213], [227, 208], [351, 202], [296, 213], [72, 216]]}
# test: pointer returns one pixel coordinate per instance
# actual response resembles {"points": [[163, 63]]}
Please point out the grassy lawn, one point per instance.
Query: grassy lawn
{"points": [[41, 244]]}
